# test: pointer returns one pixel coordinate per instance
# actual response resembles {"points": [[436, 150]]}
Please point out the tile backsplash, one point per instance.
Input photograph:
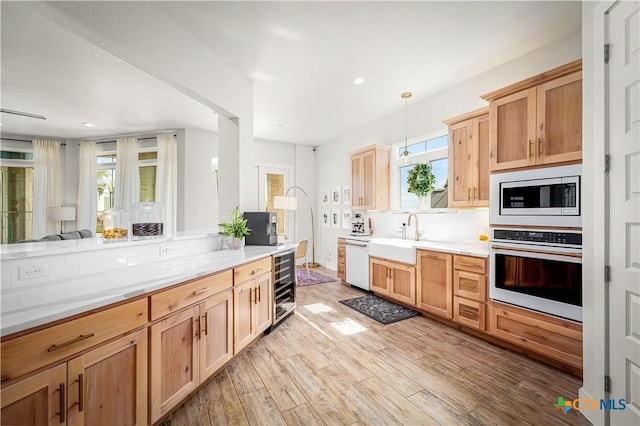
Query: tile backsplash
{"points": [[67, 262]]}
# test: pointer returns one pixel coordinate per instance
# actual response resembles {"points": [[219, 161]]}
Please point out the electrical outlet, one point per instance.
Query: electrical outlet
{"points": [[31, 271], [329, 255], [164, 250]]}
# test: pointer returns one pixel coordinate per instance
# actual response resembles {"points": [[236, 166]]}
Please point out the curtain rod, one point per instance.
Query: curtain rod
{"points": [[138, 139], [131, 135], [25, 140]]}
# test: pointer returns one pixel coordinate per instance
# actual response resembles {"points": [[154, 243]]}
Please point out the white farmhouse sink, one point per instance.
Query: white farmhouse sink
{"points": [[393, 249]]}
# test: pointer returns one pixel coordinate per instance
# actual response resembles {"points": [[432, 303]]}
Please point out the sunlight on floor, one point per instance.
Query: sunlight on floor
{"points": [[318, 308], [348, 327]]}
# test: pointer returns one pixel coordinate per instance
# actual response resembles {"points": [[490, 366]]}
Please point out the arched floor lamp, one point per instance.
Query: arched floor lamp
{"points": [[291, 203]]}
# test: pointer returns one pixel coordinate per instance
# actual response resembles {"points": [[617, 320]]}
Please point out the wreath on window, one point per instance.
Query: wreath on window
{"points": [[421, 180]]}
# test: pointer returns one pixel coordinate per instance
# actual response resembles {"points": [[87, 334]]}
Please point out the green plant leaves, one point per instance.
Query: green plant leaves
{"points": [[421, 180], [237, 228]]}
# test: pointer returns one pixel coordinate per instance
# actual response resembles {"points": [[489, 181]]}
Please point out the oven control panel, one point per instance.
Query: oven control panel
{"points": [[565, 238]]}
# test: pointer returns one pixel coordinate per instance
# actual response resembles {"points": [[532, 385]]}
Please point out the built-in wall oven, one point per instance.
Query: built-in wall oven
{"points": [[538, 197], [539, 269]]}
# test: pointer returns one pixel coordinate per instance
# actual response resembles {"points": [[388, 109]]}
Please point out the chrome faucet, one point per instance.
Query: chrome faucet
{"points": [[417, 234]]}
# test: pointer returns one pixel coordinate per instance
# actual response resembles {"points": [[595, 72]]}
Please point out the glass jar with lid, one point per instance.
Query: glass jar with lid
{"points": [[146, 220], [115, 224]]}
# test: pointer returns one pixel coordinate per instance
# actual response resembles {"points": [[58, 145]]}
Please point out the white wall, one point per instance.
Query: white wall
{"points": [[594, 234], [425, 116], [200, 202]]}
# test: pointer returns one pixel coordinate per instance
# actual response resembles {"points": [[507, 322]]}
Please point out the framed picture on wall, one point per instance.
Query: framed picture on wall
{"points": [[326, 221], [324, 196], [336, 195], [335, 218], [346, 195], [346, 218]]}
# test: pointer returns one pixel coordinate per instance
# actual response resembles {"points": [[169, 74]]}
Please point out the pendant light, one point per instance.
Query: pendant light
{"points": [[405, 154]]}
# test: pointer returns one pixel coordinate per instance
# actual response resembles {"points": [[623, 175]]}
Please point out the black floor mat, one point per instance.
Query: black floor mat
{"points": [[381, 310]]}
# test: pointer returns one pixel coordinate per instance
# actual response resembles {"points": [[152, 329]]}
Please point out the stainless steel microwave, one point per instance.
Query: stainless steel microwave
{"points": [[537, 197]]}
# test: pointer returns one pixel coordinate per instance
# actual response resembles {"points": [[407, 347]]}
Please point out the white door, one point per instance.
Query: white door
{"points": [[624, 230]]}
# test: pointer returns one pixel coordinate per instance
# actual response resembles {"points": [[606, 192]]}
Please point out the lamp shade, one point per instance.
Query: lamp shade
{"points": [[62, 214], [285, 203]]}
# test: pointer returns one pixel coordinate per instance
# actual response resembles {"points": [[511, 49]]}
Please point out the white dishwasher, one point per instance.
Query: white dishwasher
{"points": [[357, 263]]}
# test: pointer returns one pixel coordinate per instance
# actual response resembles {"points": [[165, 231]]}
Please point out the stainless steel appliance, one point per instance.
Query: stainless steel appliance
{"points": [[284, 286], [539, 269], [357, 262], [264, 228], [538, 197]]}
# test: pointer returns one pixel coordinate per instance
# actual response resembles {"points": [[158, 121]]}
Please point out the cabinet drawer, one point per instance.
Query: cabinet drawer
{"points": [[470, 285], [32, 351], [470, 263], [187, 294], [550, 336], [251, 270], [469, 312]]}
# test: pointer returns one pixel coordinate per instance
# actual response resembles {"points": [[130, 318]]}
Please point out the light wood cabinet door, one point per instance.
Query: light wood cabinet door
{"points": [[460, 152], [559, 117], [470, 285], [263, 303], [481, 161], [513, 130], [402, 286], [216, 322], [243, 313], [174, 360], [435, 289], [370, 178], [108, 386], [379, 276], [469, 312], [342, 269], [37, 400]]}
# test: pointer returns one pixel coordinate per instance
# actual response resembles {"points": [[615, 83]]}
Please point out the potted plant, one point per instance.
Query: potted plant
{"points": [[421, 181], [237, 229]]}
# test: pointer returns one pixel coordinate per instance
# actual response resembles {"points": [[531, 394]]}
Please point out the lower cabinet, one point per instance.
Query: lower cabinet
{"points": [[470, 291], [186, 348], [469, 312], [252, 309], [554, 337], [342, 260], [105, 386], [435, 289], [393, 279]]}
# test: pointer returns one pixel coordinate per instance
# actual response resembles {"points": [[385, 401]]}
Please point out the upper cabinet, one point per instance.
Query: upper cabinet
{"points": [[469, 159], [370, 178], [537, 121]]}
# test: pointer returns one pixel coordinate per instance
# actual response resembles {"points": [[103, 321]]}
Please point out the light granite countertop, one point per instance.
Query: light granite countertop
{"points": [[37, 305]]}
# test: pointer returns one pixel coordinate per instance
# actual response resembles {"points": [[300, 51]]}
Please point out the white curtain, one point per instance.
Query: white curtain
{"points": [[127, 173], [88, 187], [167, 180], [47, 185]]}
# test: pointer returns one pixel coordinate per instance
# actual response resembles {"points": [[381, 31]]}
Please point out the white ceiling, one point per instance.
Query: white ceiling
{"points": [[300, 56]]}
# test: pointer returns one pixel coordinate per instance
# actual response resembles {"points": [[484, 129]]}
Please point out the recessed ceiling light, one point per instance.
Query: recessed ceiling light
{"points": [[88, 124], [358, 81]]}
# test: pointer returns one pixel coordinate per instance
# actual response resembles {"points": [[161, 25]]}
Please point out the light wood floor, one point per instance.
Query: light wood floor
{"points": [[331, 365]]}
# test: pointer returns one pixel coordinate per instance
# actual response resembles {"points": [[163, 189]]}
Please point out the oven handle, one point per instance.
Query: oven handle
{"points": [[539, 254]]}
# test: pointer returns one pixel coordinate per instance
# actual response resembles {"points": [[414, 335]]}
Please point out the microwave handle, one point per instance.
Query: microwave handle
{"points": [[536, 182]]}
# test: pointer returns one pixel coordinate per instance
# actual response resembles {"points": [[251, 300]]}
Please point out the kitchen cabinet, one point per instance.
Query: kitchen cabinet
{"points": [[190, 345], [470, 290], [435, 288], [469, 159], [342, 260], [370, 178], [554, 337], [537, 121], [252, 302], [393, 279], [107, 385]]}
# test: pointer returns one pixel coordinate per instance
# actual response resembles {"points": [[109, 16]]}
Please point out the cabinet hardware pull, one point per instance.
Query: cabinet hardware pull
{"points": [[80, 338], [539, 147], [469, 193], [202, 290], [80, 392], [252, 295], [260, 294], [63, 404], [474, 193], [530, 148], [206, 323], [198, 328]]}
